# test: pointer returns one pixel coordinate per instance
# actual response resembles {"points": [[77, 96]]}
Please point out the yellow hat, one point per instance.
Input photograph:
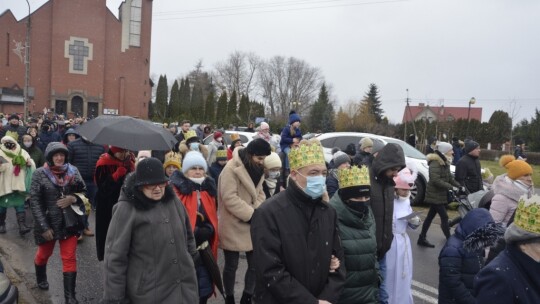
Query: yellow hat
{"points": [[309, 152], [515, 168], [189, 134], [353, 176], [235, 136], [221, 155], [526, 225], [174, 159]]}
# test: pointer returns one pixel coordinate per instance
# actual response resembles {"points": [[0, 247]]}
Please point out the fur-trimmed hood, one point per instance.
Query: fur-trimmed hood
{"points": [[187, 186], [183, 148], [437, 156], [136, 197], [478, 230]]}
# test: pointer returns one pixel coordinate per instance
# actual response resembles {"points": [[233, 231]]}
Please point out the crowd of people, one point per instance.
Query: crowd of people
{"points": [[311, 231]]}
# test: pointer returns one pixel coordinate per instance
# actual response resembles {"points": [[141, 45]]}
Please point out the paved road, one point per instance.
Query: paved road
{"points": [[19, 252]]}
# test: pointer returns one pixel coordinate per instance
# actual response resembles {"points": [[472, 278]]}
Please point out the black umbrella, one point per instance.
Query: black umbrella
{"points": [[207, 259], [128, 133]]}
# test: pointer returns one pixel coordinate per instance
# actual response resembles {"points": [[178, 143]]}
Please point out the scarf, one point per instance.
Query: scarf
{"points": [[60, 175], [264, 136], [16, 159]]}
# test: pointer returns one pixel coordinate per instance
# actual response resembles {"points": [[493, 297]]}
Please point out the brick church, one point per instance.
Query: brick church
{"points": [[84, 61]]}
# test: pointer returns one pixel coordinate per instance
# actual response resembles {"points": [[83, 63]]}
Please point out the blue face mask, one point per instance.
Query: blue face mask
{"points": [[194, 146], [316, 186]]}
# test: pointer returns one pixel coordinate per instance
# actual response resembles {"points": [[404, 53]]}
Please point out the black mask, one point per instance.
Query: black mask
{"points": [[14, 125], [9, 145], [358, 206], [45, 128]]}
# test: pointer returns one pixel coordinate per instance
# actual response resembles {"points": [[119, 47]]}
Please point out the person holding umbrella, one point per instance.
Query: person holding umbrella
{"points": [[198, 193], [111, 169]]}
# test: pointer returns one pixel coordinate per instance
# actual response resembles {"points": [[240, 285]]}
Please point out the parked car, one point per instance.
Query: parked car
{"points": [[8, 292], [342, 139], [245, 137]]}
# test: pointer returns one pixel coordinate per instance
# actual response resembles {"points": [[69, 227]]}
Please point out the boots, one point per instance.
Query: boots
{"points": [[246, 298], [3, 222], [21, 219], [229, 299], [70, 279], [422, 241], [41, 276]]}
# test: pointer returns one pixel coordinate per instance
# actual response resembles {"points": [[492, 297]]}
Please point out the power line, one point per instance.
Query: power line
{"points": [[277, 10]]}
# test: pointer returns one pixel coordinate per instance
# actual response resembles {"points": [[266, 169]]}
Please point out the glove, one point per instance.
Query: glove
{"points": [[119, 173], [455, 189], [414, 222], [463, 189]]}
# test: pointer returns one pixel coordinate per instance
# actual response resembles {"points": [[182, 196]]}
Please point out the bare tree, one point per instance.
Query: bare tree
{"points": [[237, 72]]}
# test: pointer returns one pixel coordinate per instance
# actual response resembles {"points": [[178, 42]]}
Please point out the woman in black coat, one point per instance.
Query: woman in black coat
{"points": [[55, 187]]}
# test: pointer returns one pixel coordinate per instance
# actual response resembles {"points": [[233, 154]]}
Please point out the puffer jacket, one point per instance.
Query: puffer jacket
{"points": [[382, 194], [48, 137], [43, 197], [287, 137], [505, 200], [469, 173], [357, 233], [440, 179], [462, 256], [84, 155]]}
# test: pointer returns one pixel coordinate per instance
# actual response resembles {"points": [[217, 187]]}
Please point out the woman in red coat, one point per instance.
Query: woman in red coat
{"points": [[197, 191]]}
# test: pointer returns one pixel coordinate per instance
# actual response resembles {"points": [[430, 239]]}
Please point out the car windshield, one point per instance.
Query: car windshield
{"points": [[407, 149]]}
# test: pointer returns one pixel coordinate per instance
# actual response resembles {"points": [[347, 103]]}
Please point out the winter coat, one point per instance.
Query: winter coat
{"points": [[458, 264], [36, 154], [15, 132], [215, 171], [362, 158], [150, 250], [505, 200], [294, 238], [84, 155], [287, 137], [458, 153], [212, 150], [47, 137], [512, 277], [183, 148], [9, 182], [108, 191], [332, 183], [238, 198], [382, 194], [468, 173], [43, 197], [440, 179], [357, 234], [69, 131]]}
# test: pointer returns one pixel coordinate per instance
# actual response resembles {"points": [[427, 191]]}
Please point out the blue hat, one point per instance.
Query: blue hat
{"points": [[192, 159], [293, 117]]}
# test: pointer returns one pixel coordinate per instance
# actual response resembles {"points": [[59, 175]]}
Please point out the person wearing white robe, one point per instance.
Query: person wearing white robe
{"points": [[399, 260]]}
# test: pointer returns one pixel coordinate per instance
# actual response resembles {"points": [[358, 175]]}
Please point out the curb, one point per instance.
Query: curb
{"points": [[25, 296]]}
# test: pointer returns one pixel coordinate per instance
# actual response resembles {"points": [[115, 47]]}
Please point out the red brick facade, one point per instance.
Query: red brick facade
{"points": [[81, 60]]}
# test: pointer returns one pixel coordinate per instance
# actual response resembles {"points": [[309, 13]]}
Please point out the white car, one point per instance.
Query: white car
{"points": [[245, 137], [342, 139]]}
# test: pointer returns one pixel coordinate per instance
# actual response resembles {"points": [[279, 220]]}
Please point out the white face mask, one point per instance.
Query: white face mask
{"points": [[27, 144], [403, 198], [197, 180], [273, 174]]}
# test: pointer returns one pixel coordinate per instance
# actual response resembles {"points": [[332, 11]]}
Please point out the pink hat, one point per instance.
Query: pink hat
{"points": [[405, 179]]}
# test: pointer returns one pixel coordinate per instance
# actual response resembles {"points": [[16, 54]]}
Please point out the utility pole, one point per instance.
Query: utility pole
{"points": [[27, 66]]}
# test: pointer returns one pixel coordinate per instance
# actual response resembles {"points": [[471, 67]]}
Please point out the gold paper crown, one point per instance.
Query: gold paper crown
{"points": [[528, 214], [189, 134], [221, 154], [173, 158], [309, 152], [353, 176]]}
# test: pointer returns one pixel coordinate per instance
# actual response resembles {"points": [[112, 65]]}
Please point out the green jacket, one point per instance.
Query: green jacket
{"points": [[357, 233], [440, 179]]}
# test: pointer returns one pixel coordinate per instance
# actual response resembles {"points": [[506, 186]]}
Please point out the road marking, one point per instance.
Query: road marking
{"points": [[425, 287], [424, 297]]}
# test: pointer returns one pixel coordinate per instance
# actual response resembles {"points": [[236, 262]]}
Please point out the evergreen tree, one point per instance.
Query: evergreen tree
{"points": [[162, 93], [372, 96], [197, 103], [221, 114], [185, 100], [243, 109], [174, 102], [257, 109], [322, 114], [231, 108], [210, 108], [342, 121]]}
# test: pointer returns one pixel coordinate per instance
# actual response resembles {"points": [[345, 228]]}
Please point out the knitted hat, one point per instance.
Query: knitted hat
{"points": [[272, 161], [192, 159], [526, 225], [405, 179], [173, 158], [265, 126], [444, 147], [217, 135], [150, 172], [259, 147], [309, 152], [340, 158], [235, 136], [515, 168], [13, 116], [377, 146], [365, 142], [221, 153], [470, 145], [114, 149], [293, 117], [350, 149], [353, 182]]}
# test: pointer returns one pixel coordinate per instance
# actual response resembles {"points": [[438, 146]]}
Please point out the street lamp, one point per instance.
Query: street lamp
{"points": [[471, 102], [27, 65]]}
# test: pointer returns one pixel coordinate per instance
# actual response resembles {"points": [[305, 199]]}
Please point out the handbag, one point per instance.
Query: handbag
{"points": [[73, 221]]}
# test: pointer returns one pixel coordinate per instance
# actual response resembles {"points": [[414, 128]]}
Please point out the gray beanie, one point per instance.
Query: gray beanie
{"points": [[340, 158], [470, 145], [444, 147], [365, 142]]}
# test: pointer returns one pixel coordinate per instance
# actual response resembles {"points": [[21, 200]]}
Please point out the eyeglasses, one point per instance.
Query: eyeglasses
{"points": [[154, 186]]}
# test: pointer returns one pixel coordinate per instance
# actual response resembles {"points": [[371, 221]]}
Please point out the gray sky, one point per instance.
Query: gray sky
{"points": [[441, 50]]}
